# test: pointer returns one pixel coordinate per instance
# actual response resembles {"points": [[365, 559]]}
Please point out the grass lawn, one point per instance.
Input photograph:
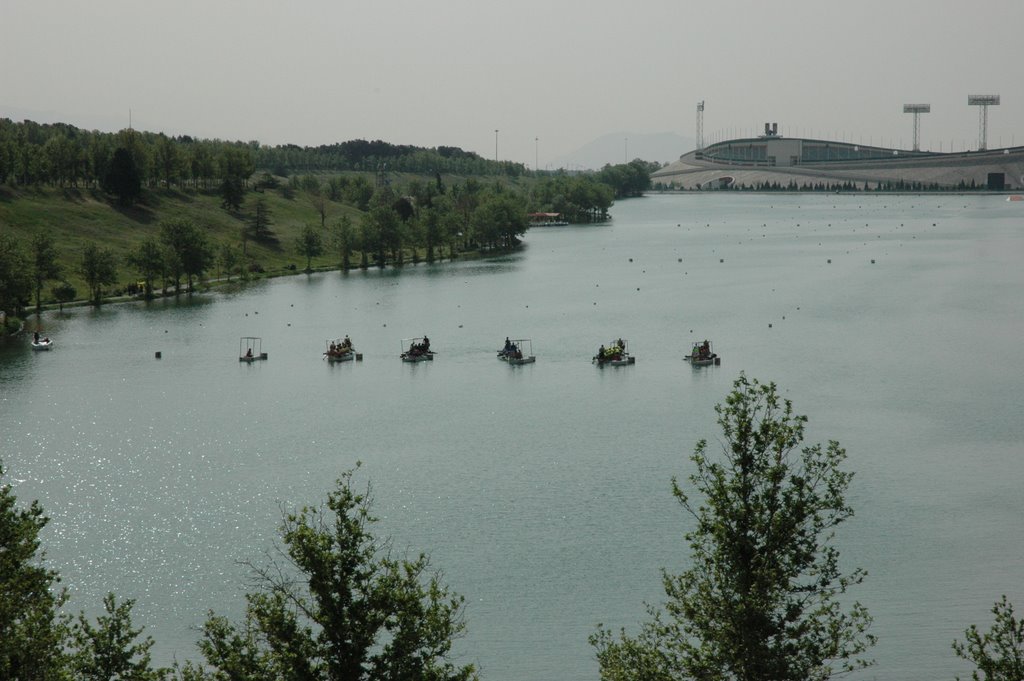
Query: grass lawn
{"points": [[76, 217]]}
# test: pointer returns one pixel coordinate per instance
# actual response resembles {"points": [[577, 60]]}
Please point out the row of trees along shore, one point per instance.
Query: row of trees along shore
{"points": [[761, 601], [63, 155], [341, 215]]}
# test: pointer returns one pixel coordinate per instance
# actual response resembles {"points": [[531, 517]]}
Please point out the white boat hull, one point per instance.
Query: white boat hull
{"points": [[346, 357], [625, 361], [425, 357], [521, 360]]}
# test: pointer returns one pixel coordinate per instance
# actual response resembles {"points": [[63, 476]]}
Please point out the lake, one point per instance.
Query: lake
{"points": [[543, 491]]}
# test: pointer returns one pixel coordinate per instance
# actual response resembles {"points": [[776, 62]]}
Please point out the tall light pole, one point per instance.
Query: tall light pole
{"points": [[983, 101], [536, 153], [917, 110], [495, 145], [700, 125], [625, 151]]}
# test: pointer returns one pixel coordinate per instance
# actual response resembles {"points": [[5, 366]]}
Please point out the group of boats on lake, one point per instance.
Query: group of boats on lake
{"points": [[514, 352]]}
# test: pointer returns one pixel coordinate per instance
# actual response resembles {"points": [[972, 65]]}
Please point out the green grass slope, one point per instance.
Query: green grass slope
{"points": [[76, 217]]}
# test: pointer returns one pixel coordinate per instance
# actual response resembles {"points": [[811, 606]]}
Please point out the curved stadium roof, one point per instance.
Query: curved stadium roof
{"points": [[757, 161]]}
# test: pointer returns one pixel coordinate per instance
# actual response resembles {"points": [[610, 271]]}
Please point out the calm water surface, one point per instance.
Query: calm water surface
{"points": [[543, 491]]}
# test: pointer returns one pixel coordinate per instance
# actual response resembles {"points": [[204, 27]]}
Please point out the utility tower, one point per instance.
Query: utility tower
{"points": [[700, 125], [984, 101], [917, 110]]}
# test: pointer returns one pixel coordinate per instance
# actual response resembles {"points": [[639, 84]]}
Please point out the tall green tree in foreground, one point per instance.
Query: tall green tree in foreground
{"points": [[32, 632], [999, 653], [761, 600], [112, 650], [338, 606]]}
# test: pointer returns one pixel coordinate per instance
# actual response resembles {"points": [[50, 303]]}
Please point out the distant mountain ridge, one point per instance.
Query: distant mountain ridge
{"points": [[615, 147]]}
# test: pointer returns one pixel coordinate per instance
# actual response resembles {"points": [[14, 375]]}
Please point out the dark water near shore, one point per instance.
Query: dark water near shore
{"points": [[542, 491]]}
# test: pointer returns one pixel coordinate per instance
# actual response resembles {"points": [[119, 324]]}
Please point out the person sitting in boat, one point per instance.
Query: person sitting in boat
{"points": [[426, 344], [35, 337], [347, 343], [508, 345], [248, 353]]}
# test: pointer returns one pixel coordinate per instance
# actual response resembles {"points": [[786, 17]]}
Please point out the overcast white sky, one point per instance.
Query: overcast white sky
{"points": [[550, 75]]}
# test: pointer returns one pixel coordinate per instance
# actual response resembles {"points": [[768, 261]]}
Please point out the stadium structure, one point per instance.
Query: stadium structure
{"points": [[774, 161]]}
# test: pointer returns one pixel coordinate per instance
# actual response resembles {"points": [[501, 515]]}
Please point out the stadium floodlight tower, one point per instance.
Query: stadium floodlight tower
{"points": [[700, 125], [917, 110], [984, 101]]}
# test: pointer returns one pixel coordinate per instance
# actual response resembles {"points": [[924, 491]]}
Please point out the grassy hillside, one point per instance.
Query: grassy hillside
{"points": [[75, 217]]}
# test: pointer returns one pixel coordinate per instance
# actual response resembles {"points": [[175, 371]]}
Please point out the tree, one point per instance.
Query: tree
{"points": [[189, 245], [123, 178], [63, 292], [761, 600], [99, 269], [15, 277], [382, 229], [228, 259], [236, 165], [167, 159], [110, 651], [232, 191], [310, 245], [32, 632], [342, 236], [44, 264], [998, 654], [259, 228], [319, 201], [150, 260], [336, 605], [500, 219]]}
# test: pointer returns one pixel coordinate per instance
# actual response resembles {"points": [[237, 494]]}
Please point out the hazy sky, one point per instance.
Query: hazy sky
{"points": [[450, 72]]}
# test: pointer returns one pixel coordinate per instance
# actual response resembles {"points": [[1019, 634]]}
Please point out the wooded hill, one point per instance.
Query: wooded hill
{"points": [[140, 201]]}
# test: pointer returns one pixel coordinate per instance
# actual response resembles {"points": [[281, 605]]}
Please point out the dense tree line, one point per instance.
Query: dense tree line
{"points": [[379, 156], [63, 155], [628, 179], [579, 198], [420, 221]]}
